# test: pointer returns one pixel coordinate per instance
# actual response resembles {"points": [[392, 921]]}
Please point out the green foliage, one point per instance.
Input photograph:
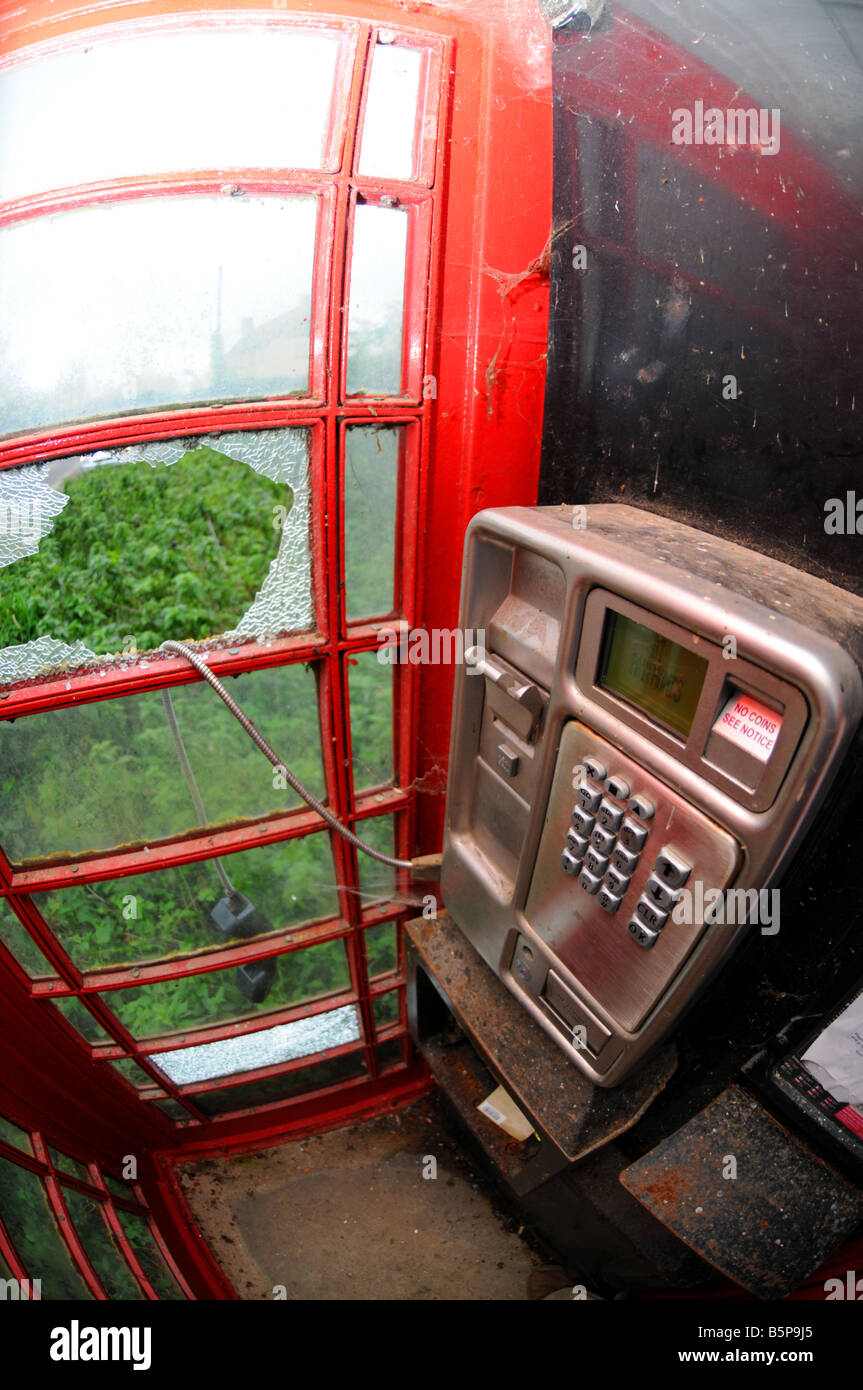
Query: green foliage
{"points": [[31, 1229], [151, 552]]}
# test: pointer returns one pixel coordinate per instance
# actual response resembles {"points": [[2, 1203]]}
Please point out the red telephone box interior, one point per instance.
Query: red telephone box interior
{"points": [[413, 164], [277, 283]]}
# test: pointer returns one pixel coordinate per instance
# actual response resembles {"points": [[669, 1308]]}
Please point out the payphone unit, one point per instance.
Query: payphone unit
{"points": [[642, 743]]}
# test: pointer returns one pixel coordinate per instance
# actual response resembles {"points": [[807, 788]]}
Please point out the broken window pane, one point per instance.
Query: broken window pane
{"points": [[371, 698], [166, 305], [88, 777], [391, 112], [252, 98], [283, 1087], [286, 1043], [376, 309], [371, 490], [104, 1255], [170, 911], [118, 550], [32, 1230], [203, 1000], [142, 1241]]}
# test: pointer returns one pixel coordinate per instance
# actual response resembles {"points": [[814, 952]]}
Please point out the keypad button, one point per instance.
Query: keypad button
{"points": [[660, 895], [616, 881], [595, 863], [570, 864], [603, 840], [589, 882], [595, 769], [588, 797], [609, 816], [642, 934], [632, 835], [576, 844], [650, 915], [617, 787], [608, 901], [642, 806], [581, 821], [624, 861], [671, 867]]}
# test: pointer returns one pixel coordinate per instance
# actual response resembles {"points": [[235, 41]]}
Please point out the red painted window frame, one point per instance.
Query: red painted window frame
{"points": [[334, 641]]}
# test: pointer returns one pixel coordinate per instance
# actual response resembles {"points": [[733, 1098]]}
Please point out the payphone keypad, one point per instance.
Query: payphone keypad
{"points": [[616, 826], [619, 850]]}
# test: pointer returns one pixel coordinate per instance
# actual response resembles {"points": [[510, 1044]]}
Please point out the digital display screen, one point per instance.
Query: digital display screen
{"points": [[656, 675]]}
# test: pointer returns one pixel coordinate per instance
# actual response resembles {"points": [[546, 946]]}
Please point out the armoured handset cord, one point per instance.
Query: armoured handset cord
{"points": [[197, 799], [309, 797]]}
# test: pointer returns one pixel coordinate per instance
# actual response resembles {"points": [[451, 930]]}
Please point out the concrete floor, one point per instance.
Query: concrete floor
{"points": [[349, 1215]]}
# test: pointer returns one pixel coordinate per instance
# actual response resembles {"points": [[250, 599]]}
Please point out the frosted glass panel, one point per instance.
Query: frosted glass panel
{"points": [[371, 491], [377, 301], [162, 103], [391, 110], [286, 1043], [154, 302]]}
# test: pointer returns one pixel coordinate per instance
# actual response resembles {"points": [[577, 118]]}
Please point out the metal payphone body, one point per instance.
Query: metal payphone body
{"points": [[639, 750]]}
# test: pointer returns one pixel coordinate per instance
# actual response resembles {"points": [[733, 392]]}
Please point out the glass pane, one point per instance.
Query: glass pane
{"points": [[391, 1053], [273, 1088], [386, 1008], [391, 112], [173, 1110], [170, 912], [140, 1237], [118, 1187], [287, 1043], [17, 939], [381, 950], [376, 310], [74, 1012], [15, 1136], [69, 1165], [200, 1000], [258, 98], [131, 1072], [33, 1232], [238, 564], [104, 1255], [371, 696], [166, 305], [371, 490], [92, 776], [376, 879]]}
